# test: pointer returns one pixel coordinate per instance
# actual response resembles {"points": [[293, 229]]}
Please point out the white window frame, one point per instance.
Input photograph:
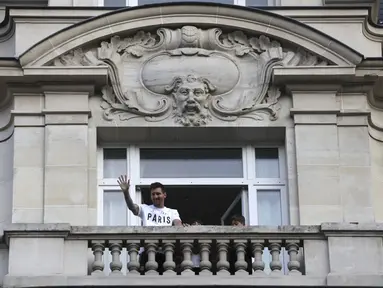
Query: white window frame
{"points": [[132, 3], [248, 180]]}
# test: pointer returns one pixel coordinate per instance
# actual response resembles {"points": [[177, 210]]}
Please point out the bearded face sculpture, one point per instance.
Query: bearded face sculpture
{"points": [[191, 95]]}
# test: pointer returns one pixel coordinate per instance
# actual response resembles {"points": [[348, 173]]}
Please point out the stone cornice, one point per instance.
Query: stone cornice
{"points": [[298, 13], [326, 74], [372, 4], [126, 20]]}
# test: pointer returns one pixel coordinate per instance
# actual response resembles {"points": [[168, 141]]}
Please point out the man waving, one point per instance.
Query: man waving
{"points": [[152, 215]]}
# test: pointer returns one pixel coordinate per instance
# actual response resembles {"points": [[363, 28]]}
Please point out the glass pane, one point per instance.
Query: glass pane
{"points": [[145, 2], [266, 163], [114, 3], [114, 208], [257, 3], [269, 207], [191, 163], [270, 214], [114, 163]]}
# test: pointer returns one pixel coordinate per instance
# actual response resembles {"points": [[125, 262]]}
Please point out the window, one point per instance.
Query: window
{"points": [[269, 207], [267, 163], [145, 2], [248, 180], [115, 212], [257, 3], [191, 163], [123, 3], [115, 3], [114, 163]]}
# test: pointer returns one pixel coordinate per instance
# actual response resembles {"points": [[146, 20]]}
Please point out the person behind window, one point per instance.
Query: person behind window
{"points": [[151, 215], [238, 220]]}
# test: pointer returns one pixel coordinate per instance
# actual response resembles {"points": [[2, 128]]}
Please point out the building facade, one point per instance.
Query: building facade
{"points": [[269, 109]]}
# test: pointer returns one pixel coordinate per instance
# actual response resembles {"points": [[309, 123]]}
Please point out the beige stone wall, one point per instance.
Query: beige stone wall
{"points": [[368, 46], [6, 163], [52, 166], [376, 146], [330, 158], [6, 175], [333, 167], [377, 177], [333, 156], [28, 172]]}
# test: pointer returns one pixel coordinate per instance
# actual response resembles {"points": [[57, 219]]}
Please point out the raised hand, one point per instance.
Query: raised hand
{"points": [[124, 183]]}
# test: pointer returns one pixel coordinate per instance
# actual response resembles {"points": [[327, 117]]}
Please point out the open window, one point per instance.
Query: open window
{"points": [[209, 184], [212, 205]]}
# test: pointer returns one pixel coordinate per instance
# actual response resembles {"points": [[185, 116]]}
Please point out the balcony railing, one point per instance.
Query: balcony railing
{"points": [[206, 251], [49, 255]]}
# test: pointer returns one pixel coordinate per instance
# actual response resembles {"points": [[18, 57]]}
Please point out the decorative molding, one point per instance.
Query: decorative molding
{"points": [[190, 73]]}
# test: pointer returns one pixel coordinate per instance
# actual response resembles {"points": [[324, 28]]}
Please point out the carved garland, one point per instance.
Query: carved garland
{"points": [[195, 94]]}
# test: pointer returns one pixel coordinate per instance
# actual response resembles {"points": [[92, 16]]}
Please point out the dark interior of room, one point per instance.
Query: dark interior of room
{"points": [[204, 203]]}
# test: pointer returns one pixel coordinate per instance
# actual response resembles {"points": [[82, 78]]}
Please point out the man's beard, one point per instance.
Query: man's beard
{"points": [[192, 119]]}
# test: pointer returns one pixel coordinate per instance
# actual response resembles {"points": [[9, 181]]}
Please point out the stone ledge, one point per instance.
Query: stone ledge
{"points": [[304, 232], [32, 230], [150, 281], [83, 74], [352, 229], [359, 280], [317, 74], [138, 233]]}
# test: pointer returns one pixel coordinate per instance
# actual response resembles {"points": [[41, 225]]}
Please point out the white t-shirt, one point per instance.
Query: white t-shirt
{"points": [[153, 216]]}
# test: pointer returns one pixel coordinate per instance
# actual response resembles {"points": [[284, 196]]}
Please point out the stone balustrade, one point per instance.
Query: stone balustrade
{"points": [[60, 254], [211, 257]]}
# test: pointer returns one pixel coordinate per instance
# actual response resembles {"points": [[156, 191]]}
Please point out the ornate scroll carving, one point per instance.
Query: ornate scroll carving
{"points": [[193, 74]]}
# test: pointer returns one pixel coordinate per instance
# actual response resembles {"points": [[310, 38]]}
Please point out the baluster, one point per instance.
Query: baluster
{"points": [[116, 264], [97, 265], [223, 265], [187, 264], [294, 265], [169, 264], [275, 249], [133, 265], [151, 266], [240, 264], [258, 264], [205, 264]]}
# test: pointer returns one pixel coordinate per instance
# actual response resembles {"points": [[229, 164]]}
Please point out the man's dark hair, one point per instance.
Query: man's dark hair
{"points": [[238, 218], [156, 185], [196, 221]]}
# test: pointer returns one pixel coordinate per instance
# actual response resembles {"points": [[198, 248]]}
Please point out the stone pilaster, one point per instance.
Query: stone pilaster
{"points": [[333, 161], [355, 155], [28, 160], [316, 138], [66, 155], [6, 163]]}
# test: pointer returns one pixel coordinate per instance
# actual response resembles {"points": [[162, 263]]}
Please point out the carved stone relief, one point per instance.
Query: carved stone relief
{"points": [[190, 73]]}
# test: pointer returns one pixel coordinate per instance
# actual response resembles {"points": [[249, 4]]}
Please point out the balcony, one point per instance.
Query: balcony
{"points": [[46, 255]]}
